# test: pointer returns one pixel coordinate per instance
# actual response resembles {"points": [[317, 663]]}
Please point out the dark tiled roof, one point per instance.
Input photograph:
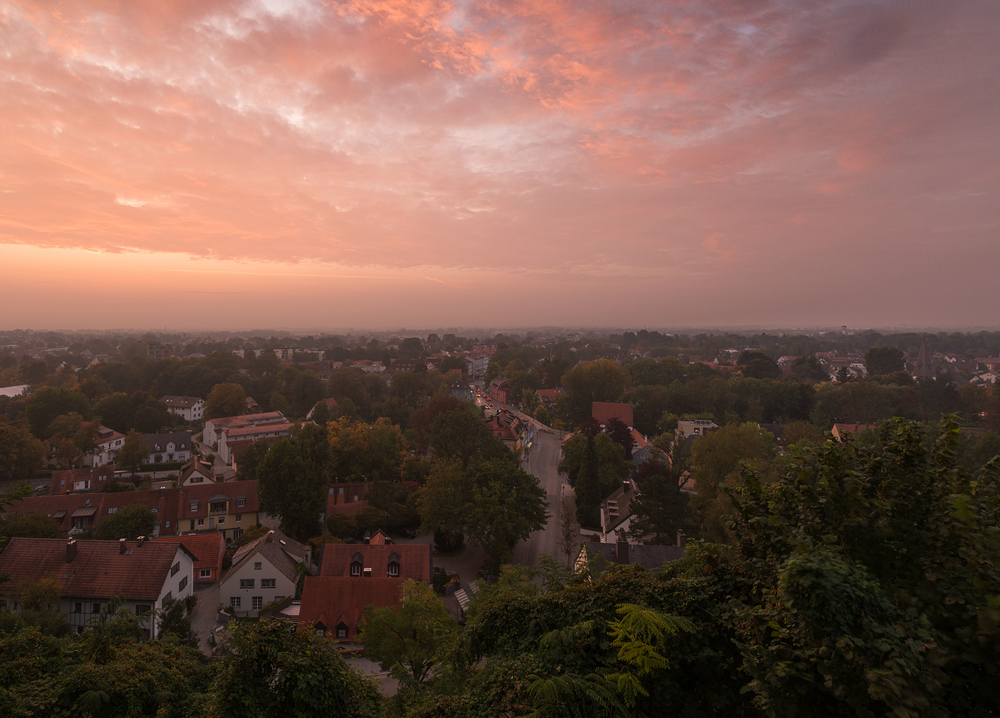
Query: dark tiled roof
{"points": [[414, 560], [269, 548], [98, 570], [330, 600], [180, 402], [204, 493], [638, 554], [157, 443]]}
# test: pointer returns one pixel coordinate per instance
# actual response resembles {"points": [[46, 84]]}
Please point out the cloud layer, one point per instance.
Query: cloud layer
{"points": [[747, 152]]}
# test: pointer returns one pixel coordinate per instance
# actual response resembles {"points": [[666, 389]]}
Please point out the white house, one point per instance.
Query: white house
{"points": [[263, 571], [175, 446], [189, 408], [109, 443]]}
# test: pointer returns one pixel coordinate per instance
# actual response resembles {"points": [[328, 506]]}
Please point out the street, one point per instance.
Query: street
{"points": [[542, 462]]}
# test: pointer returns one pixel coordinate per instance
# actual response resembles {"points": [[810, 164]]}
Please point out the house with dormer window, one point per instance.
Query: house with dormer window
{"points": [[354, 576]]}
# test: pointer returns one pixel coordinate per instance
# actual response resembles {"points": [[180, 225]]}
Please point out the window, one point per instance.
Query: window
{"points": [[201, 522], [258, 602], [234, 602], [267, 583], [175, 568], [96, 608], [167, 597], [78, 607], [168, 524], [195, 480], [241, 501], [341, 630], [182, 584], [222, 520], [257, 565], [393, 570], [141, 609], [247, 582], [217, 507], [237, 533], [239, 518], [112, 509], [192, 524], [355, 568], [205, 573], [194, 506]]}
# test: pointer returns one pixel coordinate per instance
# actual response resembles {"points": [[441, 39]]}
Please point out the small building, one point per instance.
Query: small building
{"points": [[90, 574], [598, 556], [229, 507], [841, 432], [73, 481], [695, 427], [499, 390], [196, 471], [262, 572], [616, 513], [189, 408]]}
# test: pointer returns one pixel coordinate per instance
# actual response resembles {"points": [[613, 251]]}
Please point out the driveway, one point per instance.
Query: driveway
{"points": [[203, 618]]}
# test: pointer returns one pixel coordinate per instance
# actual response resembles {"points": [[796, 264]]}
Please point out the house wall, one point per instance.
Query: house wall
{"points": [[230, 587]]}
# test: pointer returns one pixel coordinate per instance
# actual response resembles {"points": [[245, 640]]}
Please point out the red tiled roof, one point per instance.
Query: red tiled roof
{"points": [[603, 411], [414, 560], [204, 493], [53, 505], [208, 549], [98, 570], [330, 600], [259, 429]]}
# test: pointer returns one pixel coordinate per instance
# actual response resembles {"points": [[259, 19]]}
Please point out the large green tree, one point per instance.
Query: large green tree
{"points": [[409, 640], [594, 466], [874, 579], [226, 399], [716, 461], [292, 486], [133, 453], [601, 380], [21, 454], [274, 671], [508, 504], [127, 523], [884, 360]]}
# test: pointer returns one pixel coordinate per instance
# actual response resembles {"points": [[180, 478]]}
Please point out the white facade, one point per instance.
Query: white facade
{"points": [[254, 584], [178, 583]]}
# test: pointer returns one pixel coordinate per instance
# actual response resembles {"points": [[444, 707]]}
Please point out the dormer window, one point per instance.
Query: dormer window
{"points": [[357, 564], [393, 568]]}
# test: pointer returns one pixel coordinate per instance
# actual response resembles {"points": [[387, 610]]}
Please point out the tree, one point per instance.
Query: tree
{"points": [[174, 619], [507, 505], [133, 453], [408, 640], [873, 567], [595, 467], [226, 400], [884, 360], [444, 498], [47, 403], [29, 526], [130, 523], [660, 509], [569, 529], [757, 365], [274, 670], [250, 459], [716, 460], [601, 380], [21, 454], [291, 486], [808, 368]]}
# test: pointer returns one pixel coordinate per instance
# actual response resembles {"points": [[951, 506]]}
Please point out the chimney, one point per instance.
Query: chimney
{"points": [[621, 552], [70, 550], [121, 546], [139, 540], [681, 538]]}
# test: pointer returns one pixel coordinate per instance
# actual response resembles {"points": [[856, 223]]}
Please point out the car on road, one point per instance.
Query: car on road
{"points": [[407, 533]]}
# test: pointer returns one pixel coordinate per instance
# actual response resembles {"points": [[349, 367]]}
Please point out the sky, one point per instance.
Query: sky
{"points": [[199, 164]]}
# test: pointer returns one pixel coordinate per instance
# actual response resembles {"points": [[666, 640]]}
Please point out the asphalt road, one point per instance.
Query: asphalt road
{"points": [[543, 461]]}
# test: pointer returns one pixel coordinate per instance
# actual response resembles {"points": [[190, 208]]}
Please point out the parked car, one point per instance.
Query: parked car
{"points": [[407, 533]]}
